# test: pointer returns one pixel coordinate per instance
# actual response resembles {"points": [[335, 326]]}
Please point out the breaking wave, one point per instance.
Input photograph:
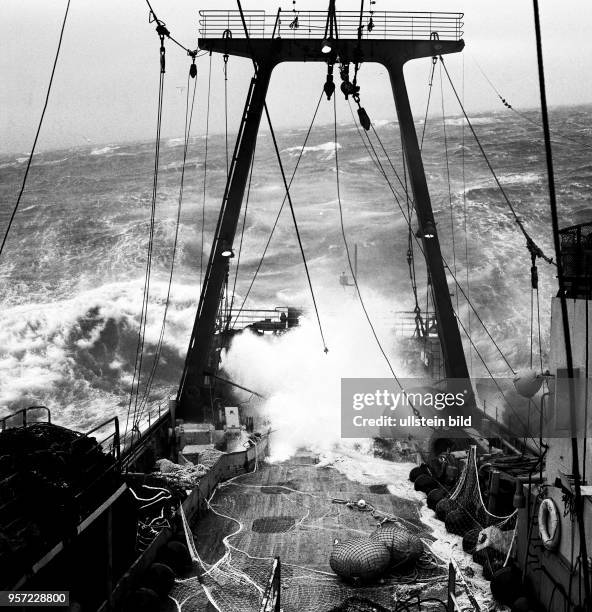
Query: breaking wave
{"points": [[77, 355], [104, 150], [328, 148], [70, 278]]}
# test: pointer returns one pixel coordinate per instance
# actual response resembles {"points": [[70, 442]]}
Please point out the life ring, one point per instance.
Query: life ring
{"points": [[549, 525]]}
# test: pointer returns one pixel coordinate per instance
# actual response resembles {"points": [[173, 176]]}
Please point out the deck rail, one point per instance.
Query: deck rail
{"points": [[407, 324], [23, 415], [380, 25], [98, 475], [110, 442], [576, 259], [243, 318]]}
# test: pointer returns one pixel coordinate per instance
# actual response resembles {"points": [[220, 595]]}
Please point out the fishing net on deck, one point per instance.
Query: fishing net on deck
{"points": [[268, 516], [487, 536]]}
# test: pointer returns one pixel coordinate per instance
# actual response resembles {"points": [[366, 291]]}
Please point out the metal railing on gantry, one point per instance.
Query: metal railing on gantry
{"points": [[380, 25]]}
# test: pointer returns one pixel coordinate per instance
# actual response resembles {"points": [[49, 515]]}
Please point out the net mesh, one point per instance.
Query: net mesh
{"points": [[487, 536], [281, 511], [289, 511]]}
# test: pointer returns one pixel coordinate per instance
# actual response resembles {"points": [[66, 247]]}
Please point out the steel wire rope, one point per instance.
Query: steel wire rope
{"points": [[425, 119], [375, 159], [277, 218], [205, 174], [284, 180], [154, 18], [240, 246], [187, 130], [457, 283], [383, 172], [29, 161], [371, 150], [448, 181], [523, 115], [465, 216], [495, 382], [498, 348], [226, 113], [349, 261], [144, 312], [298, 237], [531, 244]]}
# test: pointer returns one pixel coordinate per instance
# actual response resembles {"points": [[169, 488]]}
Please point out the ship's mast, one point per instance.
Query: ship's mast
{"points": [[394, 39]]}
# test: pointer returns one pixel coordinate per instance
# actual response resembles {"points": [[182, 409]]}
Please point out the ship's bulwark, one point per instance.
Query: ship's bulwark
{"points": [[72, 287]]}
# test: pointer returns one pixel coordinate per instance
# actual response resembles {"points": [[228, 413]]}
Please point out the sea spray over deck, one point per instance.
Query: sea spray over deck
{"points": [[79, 244], [302, 384]]}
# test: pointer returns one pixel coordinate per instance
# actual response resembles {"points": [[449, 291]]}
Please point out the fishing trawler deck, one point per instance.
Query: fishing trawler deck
{"points": [[295, 510]]}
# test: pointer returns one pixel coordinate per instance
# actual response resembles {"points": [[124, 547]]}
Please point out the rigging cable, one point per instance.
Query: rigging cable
{"points": [[298, 237], [24, 182], [143, 316], [430, 84], [524, 115], [286, 186], [564, 313], [531, 245], [384, 174], [226, 112], [465, 216], [203, 202], [373, 155], [240, 246], [429, 288], [349, 261], [371, 150], [187, 130], [459, 286], [420, 326], [457, 283], [153, 18], [448, 181], [495, 382], [277, 218], [382, 171]]}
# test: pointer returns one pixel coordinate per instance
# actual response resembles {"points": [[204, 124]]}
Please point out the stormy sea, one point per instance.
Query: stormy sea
{"points": [[72, 273]]}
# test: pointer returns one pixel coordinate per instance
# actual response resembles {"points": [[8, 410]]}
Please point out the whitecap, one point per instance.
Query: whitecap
{"points": [[175, 142], [104, 150], [326, 147], [520, 178], [474, 121]]}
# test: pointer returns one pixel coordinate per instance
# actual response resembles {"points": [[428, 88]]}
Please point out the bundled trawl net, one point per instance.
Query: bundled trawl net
{"points": [[487, 536], [288, 511]]}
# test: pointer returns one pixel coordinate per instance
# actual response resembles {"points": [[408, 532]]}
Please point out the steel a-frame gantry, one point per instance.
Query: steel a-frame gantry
{"points": [[388, 38]]}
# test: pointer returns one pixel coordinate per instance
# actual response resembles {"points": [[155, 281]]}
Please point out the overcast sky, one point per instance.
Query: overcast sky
{"points": [[105, 89]]}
